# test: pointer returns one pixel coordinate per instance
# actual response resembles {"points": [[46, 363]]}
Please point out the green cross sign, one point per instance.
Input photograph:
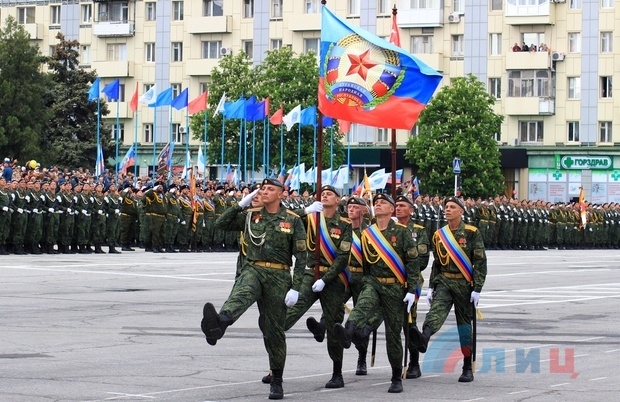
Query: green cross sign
{"points": [[615, 175], [557, 175]]}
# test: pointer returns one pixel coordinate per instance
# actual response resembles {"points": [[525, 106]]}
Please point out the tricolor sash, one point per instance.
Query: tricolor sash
{"points": [[456, 253], [373, 236], [329, 251], [356, 248]]}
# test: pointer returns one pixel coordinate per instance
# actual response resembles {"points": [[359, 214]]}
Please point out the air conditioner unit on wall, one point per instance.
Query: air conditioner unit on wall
{"points": [[225, 51], [181, 130], [454, 18], [557, 56]]}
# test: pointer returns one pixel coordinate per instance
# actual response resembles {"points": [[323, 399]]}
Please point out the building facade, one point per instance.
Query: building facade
{"points": [[557, 100]]}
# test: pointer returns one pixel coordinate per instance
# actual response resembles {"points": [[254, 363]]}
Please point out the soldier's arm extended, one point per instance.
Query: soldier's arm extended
{"points": [[232, 219], [412, 262], [479, 262], [344, 250], [299, 252]]}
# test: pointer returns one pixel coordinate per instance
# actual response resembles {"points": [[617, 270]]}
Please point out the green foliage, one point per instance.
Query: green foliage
{"points": [[287, 79], [23, 94], [458, 122], [70, 133]]}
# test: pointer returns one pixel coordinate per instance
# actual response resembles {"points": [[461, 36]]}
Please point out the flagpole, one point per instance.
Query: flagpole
{"points": [[172, 141], [331, 152], [299, 143], [98, 129], [253, 150], [154, 143], [281, 145], [205, 147], [223, 125], [245, 148], [240, 145], [267, 146], [135, 145], [394, 12], [118, 130]]}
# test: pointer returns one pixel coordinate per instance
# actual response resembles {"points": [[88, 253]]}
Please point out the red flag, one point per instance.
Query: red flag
{"points": [[344, 126], [276, 119], [267, 107], [199, 104], [394, 34], [134, 100]]}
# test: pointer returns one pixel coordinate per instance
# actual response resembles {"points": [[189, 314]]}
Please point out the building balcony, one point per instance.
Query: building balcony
{"points": [[34, 30], [529, 106], [527, 60], [433, 60], [303, 22], [536, 14], [113, 29], [114, 69], [420, 17], [201, 67], [209, 25]]}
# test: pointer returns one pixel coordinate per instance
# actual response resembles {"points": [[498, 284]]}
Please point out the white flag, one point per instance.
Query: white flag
{"points": [[201, 161], [292, 117], [149, 96], [220, 105]]}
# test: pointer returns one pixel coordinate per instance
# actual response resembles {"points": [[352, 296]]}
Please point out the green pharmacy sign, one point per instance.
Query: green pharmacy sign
{"points": [[586, 162]]}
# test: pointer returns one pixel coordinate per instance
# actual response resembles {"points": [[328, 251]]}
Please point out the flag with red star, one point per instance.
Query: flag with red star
{"points": [[365, 79]]}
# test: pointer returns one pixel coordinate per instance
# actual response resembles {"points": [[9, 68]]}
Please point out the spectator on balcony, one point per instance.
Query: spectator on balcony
{"points": [[516, 47], [533, 48], [543, 47], [524, 47]]}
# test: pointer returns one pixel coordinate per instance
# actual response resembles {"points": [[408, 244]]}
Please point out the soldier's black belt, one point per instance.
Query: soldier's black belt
{"points": [[450, 275], [272, 265], [356, 270], [154, 214]]}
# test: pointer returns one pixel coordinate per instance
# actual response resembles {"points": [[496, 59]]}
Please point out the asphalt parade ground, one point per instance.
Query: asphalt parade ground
{"points": [[127, 328]]}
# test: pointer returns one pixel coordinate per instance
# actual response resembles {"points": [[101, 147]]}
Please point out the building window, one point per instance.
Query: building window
{"points": [[607, 3], [532, 39], [85, 54], [121, 92], [177, 51], [607, 42], [495, 87], [574, 4], [415, 131], [572, 131], [276, 44], [497, 5], [147, 87], [87, 13], [248, 48], [457, 45], [529, 83], [211, 49], [177, 11], [531, 131], [147, 132], [383, 7], [574, 88], [605, 130], [52, 50], [118, 130], [422, 44], [354, 7], [312, 45], [117, 52], [276, 8], [312, 6], [213, 8], [25, 15], [204, 86], [149, 52], [248, 8], [382, 136], [574, 42], [605, 87], [177, 135], [495, 43], [151, 11], [420, 3], [458, 6], [498, 137], [114, 11], [55, 15], [176, 90]]}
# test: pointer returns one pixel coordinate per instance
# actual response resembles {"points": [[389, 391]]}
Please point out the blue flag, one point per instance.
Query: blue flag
{"points": [[416, 187], [93, 91], [164, 98], [180, 101], [113, 90], [308, 116], [235, 110], [128, 161], [327, 121], [255, 112]]}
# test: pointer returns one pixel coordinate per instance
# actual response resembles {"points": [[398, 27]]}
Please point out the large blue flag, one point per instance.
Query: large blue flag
{"points": [[113, 90], [365, 79], [308, 116], [93, 91], [235, 110], [256, 111], [180, 101], [164, 98]]}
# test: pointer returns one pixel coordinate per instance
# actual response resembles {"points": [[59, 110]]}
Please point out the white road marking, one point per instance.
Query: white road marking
{"points": [[596, 379]]}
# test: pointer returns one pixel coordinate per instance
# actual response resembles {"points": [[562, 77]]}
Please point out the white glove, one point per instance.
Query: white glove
{"points": [[5, 209], [120, 199], [74, 199], [173, 190], [475, 296], [218, 192], [316, 206], [85, 212], [106, 199], [178, 220], [247, 200], [69, 210], [58, 199], [42, 197], [21, 211], [36, 211], [318, 286], [100, 212], [291, 298], [92, 199], [204, 225], [50, 210], [183, 223], [409, 299], [231, 193], [117, 211], [126, 190], [429, 296], [28, 198]]}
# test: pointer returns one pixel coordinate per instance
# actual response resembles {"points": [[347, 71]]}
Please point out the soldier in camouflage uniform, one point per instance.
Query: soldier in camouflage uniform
{"points": [[129, 215], [52, 221], [67, 218], [155, 210], [274, 236], [187, 213], [384, 285], [448, 284], [173, 217], [5, 216], [113, 213], [219, 203], [98, 219], [209, 220]]}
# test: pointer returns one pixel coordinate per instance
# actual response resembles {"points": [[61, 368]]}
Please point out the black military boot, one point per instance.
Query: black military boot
{"points": [[317, 328], [337, 381], [84, 249], [397, 383], [3, 250], [344, 334], [35, 249], [98, 249], [276, 391], [361, 365], [267, 379], [420, 340], [113, 250], [126, 247], [468, 374], [170, 248], [214, 325], [413, 370]]}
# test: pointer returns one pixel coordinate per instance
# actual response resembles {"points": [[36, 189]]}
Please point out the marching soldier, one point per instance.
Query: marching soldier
{"points": [[5, 216], [173, 218], [98, 218], [155, 211], [112, 214], [129, 214]]}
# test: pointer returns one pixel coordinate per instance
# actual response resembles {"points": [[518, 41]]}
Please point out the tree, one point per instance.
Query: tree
{"points": [[284, 77], [23, 94], [70, 134], [458, 122]]}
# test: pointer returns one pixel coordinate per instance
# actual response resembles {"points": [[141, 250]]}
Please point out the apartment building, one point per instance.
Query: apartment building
{"points": [[562, 122]]}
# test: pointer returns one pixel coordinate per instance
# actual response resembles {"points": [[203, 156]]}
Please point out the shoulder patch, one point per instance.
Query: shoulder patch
{"points": [[254, 209], [288, 211], [415, 225], [400, 224], [471, 228], [346, 220]]}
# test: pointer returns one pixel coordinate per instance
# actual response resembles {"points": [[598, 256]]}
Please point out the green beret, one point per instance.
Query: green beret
{"points": [[356, 201], [273, 182], [402, 198], [330, 188], [383, 197], [455, 200]]}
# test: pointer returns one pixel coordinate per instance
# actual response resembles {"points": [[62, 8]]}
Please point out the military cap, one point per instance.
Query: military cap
{"points": [[183, 187], [170, 187], [455, 200], [158, 183], [402, 198], [220, 187], [383, 197], [356, 201], [127, 185], [255, 187], [273, 182], [330, 188]]}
